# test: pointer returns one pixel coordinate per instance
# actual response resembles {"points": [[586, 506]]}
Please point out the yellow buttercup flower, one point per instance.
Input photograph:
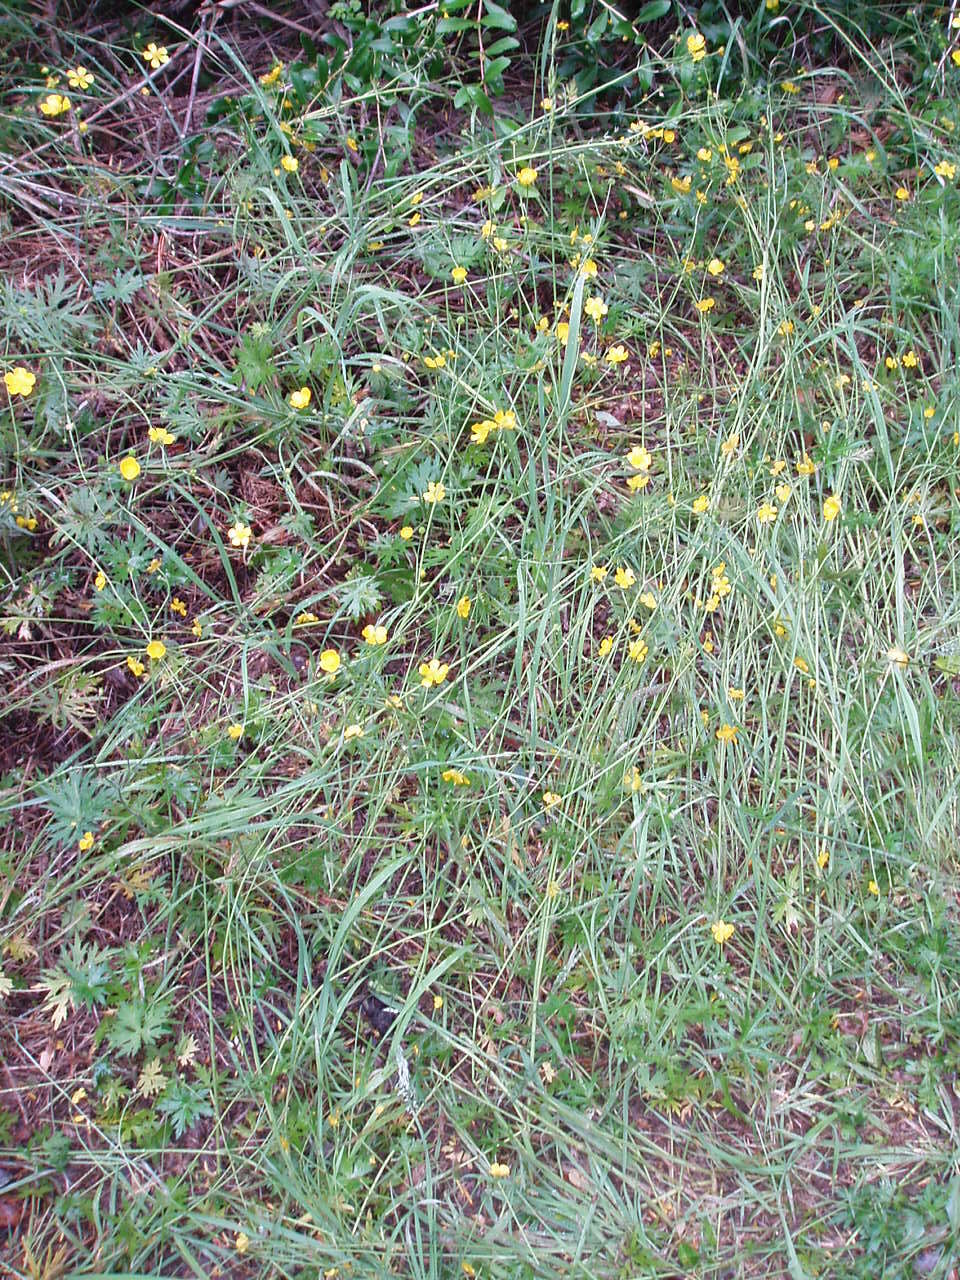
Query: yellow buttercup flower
{"points": [[235, 731], [696, 46], [832, 507], [129, 468], [624, 577], [616, 355], [300, 399], [551, 799], [527, 176], [80, 78], [290, 164], [155, 55], [374, 634], [722, 932], [595, 308], [55, 104], [330, 661], [19, 381], [433, 672], [716, 266], [239, 535], [434, 492], [463, 607], [85, 842], [156, 649], [727, 733], [638, 651], [160, 435]]}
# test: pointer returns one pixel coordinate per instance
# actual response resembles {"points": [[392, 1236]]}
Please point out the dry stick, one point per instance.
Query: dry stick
{"points": [[198, 58]]}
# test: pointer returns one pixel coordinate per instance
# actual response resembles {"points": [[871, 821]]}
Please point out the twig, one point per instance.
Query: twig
{"points": [[198, 58]]}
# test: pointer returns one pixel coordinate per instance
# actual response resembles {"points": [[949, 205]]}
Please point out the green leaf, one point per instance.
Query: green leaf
{"points": [[138, 1024], [654, 10], [496, 17]]}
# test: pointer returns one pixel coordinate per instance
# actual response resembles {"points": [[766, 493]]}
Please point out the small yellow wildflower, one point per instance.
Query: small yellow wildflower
{"points": [[300, 399], [727, 733], [433, 672], [235, 731], [463, 607], [624, 577], [239, 534], [604, 647], [716, 266], [374, 634], [289, 163], [706, 304], [100, 581], [638, 651], [456, 777], [701, 504], [19, 381], [551, 799], [55, 104], [498, 1170], [330, 661], [156, 55], [242, 1242], [873, 888], [696, 47], [85, 842], [352, 731], [526, 177], [406, 533], [129, 468], [595, 308], [897, 656], [831, 507], [156, 649], [80, 78], [458, 275], [722, 932], [434, 492], [766, 512], [160, 435], [135, 666], [616, 355]]}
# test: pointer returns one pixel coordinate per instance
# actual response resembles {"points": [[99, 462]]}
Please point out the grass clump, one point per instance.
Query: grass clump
{"points": [[480, 637]]}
